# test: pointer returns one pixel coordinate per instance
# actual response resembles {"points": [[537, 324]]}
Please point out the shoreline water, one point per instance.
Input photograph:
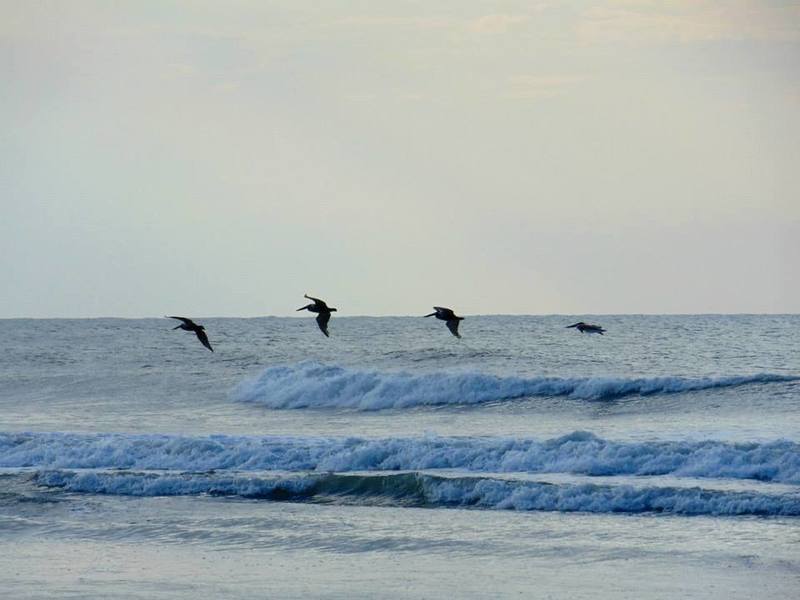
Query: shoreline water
{"points": [[522, 459]]}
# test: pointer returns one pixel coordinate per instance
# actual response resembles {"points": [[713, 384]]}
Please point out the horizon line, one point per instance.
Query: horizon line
{"points": [[363, 316]]}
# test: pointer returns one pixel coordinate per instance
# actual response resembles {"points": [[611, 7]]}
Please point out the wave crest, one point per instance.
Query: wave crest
{"points": [[313, 385], [415, 489], [578, 453]]}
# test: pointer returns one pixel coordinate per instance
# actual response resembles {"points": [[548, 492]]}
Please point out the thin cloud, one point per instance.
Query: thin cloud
{"points": [[494, 24], [528, 87], [485, 24], [644, 22], [393, 21]]}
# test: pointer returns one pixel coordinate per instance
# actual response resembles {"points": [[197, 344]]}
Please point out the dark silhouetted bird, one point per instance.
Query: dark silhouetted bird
{"points": [[586, 328], [199, 330], [322, 310], [449, 317]]}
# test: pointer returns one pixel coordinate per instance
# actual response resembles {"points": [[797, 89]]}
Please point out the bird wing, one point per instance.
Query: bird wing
{"points": [[452, 325], [322, 321], [447, 313], [319, 302], [185, 320], [201, 335]]}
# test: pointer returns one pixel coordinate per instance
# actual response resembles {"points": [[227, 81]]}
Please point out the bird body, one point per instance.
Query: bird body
{"points": [[587, 328], [323, 312], [449, 317], [199, 330]]}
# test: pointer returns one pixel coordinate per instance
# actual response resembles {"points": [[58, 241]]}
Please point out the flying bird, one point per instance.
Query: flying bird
{"points": [[449, 317], [199, 330], [586, 328], [322, 310]]}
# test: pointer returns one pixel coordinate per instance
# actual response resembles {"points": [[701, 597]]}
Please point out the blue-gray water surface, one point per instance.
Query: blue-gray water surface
{"points": [[394, 460]]}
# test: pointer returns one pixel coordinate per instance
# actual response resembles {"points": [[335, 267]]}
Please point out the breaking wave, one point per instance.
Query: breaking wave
{"points": [[578, 453], [312, 385], [422, 490]]}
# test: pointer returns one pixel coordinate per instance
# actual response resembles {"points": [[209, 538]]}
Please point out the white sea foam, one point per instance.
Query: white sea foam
{"points": [[426, 490], [173, 484], [313, 385], [498, 494], [579, 452]]}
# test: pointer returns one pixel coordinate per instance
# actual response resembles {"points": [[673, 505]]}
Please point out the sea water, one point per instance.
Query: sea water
{"points": [[392, 460]]}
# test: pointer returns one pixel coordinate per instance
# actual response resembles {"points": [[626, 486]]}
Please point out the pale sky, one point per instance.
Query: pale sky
{"points": [[223, 158]]}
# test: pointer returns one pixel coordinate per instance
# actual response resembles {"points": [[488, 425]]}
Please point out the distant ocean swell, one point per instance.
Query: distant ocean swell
{"points": [[313, 385], [578, 453], [422, 490]]}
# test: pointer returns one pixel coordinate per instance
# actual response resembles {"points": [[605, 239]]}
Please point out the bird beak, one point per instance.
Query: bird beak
{"points": [[568, 326], [174, 328], [430, 315]]}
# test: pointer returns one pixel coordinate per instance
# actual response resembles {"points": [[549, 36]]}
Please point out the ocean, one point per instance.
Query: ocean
{"points": [[659, 460]]}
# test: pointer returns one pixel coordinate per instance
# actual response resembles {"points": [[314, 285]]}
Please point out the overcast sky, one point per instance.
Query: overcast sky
{"points": [[223, 158]]}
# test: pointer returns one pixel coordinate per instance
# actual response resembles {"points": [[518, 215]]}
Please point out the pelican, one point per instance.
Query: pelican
{"points": [[199, 330], [449, 317], [586, 328], [322, 310]]}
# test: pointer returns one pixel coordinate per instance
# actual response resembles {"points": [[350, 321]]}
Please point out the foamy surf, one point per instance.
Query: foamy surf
{"points": [[578, 453], [313, 385], [431, 491]]}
